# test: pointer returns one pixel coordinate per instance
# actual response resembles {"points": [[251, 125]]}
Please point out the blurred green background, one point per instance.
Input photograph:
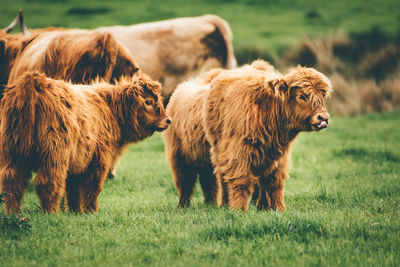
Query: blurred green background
{"points": [[269, 26]]}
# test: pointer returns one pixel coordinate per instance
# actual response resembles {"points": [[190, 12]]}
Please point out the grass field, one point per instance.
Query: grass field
{"points": [[342, 199]]}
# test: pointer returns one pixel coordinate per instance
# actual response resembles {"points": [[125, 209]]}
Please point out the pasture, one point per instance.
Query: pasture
{"points": [[342, 198], [268, 27]]}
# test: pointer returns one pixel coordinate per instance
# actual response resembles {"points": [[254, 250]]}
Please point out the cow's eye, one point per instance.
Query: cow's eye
{"points": [[149, 102], [303, 98]]}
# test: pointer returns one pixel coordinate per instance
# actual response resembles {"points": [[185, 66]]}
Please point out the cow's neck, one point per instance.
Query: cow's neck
{"points": [[129, 133], [278, 133]]}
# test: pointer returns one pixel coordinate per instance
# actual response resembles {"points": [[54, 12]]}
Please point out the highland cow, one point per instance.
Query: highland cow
{"points": [[234, 128], [77, 56], [174, 50], [171, 51], [71, 135]]}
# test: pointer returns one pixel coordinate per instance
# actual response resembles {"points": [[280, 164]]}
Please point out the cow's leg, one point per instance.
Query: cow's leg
{"points": [[50, 184], [224, 192], [13, 181], [113, 172], [263, 202], [91, 187], [185, 178], [223, 185], [275, 187], [256, 195], [209, 185], [240, 190], [72, 195]]}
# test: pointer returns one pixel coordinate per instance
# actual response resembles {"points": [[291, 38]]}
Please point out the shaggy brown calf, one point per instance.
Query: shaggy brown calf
{"points": [[70, 135], [234, 128]]}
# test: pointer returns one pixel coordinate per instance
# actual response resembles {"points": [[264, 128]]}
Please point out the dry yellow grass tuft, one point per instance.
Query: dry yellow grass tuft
{"points": [[365, 71]]}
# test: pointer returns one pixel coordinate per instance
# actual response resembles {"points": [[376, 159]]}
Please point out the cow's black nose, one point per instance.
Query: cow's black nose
{"points": [[323, 117]]}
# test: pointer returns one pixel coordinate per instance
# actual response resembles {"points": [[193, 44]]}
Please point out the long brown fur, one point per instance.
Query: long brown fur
{"points": [[75, 55], [11, 47], [236, 126], [70, 135], [174, 50]]}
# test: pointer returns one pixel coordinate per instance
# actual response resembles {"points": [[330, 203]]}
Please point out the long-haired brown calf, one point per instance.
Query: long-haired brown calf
{"points": [[234, 128], [70, 135]]}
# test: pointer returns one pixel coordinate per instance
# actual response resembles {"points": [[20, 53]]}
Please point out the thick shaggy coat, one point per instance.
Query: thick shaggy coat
{"points": [[234, 128], [11, 47], [77, 56], [173, 50], [70, 135]]}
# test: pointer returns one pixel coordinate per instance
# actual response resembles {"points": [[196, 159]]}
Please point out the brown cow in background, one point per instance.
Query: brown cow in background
{"points": [[76, 56], [173, 50]]}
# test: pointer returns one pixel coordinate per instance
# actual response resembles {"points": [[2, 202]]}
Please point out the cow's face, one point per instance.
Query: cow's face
{"points": [[152, 114], [306, 90], [308, 109], [144, 110]]}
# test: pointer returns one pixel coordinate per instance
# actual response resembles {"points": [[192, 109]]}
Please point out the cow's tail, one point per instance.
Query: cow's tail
{"points": [[223, 27], [18, 113]]}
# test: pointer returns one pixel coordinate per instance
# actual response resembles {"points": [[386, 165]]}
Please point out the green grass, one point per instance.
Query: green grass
{"points": [[266, 25], [342, 199]]}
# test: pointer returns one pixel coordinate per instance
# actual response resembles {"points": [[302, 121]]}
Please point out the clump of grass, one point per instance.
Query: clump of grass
{"points": [[356, 96], [364, 70], [13, 225]]}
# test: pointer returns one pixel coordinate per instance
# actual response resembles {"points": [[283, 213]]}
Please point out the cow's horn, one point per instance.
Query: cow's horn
{"points": [[12, 25], [24, 29]]}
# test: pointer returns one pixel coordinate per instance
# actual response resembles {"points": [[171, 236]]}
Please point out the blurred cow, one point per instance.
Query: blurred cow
{"points": [[77, 56], [173, 50]]}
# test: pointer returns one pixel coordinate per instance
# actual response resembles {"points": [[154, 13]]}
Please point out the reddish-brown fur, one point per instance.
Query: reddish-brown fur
{"points": [[76, 56], [174, 50], [11, 47], [70, 135], [235, 128], [171, 51]]}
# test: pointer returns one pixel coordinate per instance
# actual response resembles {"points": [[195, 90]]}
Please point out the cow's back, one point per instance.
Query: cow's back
{"points": [[75, 55], [186, 131], [173, 50]]}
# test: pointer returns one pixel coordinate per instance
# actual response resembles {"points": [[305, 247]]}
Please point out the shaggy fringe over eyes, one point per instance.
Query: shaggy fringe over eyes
{"points": [[307, 77], [140, 79]]}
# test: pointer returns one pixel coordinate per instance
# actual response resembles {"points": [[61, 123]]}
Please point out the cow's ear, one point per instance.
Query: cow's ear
{"points": [[279, 85]]}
